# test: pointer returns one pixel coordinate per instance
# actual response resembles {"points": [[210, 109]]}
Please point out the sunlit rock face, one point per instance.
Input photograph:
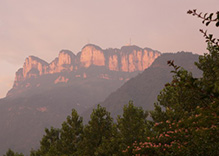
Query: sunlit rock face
{"points": [[65, 57], [65, 62], [18, 77], [53, 66], [128, 59], [148, 58], [34, 66], [92, 55], [134, 58], [113, 63], [61, 79]]}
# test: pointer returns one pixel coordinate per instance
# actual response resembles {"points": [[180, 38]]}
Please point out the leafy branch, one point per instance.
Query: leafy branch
{"points": [[207, 19], [171, 63], [209, 37]]}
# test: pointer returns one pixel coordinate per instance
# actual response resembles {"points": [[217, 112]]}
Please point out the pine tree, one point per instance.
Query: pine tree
{"points": [[97, 134], [132, 126], [12, 153], [71, 134], [50, 143]]}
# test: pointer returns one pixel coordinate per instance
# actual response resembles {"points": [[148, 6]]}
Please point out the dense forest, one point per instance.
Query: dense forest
{"points": [[184, 120]]}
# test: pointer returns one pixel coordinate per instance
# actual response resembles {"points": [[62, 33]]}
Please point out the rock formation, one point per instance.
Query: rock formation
{"points": [[128, 59]]}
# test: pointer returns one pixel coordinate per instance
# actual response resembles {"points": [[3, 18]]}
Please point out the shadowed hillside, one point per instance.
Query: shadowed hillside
{"points": [[144, 88]]}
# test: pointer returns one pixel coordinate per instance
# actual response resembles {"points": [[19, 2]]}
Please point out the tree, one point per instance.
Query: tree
{"points": [[97, 133], [12, 153], [186, 114], [50, 143], [132, 126], [71, 134], [34, 152]]}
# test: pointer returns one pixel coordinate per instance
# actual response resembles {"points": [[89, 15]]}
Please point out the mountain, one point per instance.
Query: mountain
{"points": [[44, 93], [144, 88], [92, 61]]}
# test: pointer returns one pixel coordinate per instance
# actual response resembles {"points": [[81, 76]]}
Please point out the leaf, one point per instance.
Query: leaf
{"points": [[189, 12], [210, 16], [217, 24], [210, 36], [208, 23], [201, 30]]}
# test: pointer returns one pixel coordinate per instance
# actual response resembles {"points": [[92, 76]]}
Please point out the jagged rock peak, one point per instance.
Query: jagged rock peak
{"points": [[34, 58], [66, 52], [66, 57], [33, 62], [93, 46], [92, 55], [64, 62]]}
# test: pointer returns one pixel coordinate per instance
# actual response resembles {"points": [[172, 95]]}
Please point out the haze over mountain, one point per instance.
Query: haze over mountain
{"points": [[44, 93], [128, 59], [145, 87]]}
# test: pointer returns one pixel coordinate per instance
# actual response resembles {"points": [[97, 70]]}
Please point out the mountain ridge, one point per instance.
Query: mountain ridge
{"points": [[127, 59]]}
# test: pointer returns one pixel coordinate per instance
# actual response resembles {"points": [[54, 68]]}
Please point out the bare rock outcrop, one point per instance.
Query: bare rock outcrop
{"points": [[127, 59]]}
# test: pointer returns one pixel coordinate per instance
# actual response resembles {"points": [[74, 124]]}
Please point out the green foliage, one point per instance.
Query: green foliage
{"points": [[12, 153], [206, 18], [34, 153], [64, 141], [97, 133], [50, 143], [209, 64], [132, 126], [186, 115], [71, 134]]}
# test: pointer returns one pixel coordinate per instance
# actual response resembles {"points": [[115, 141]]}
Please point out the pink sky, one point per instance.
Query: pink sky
{"points": [[44, 27]]}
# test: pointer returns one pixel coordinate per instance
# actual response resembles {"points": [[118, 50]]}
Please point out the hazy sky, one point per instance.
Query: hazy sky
{"points": [[44, 27]]}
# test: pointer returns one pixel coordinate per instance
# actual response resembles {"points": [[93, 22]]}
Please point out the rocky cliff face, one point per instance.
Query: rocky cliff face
{"points": [[127, 59], [34, 66], [92, 55], [65, 62]]}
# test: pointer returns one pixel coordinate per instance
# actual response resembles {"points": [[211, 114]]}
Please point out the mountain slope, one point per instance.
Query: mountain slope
{"points": [[144, 88]]}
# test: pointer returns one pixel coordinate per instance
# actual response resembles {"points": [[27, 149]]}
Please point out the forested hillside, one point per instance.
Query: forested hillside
{"points": [[144, 88]]}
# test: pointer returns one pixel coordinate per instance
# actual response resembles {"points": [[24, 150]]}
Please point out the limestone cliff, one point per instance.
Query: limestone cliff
{"points": [[65, 62], [127, 59], [92, 55], [34, 66]]}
